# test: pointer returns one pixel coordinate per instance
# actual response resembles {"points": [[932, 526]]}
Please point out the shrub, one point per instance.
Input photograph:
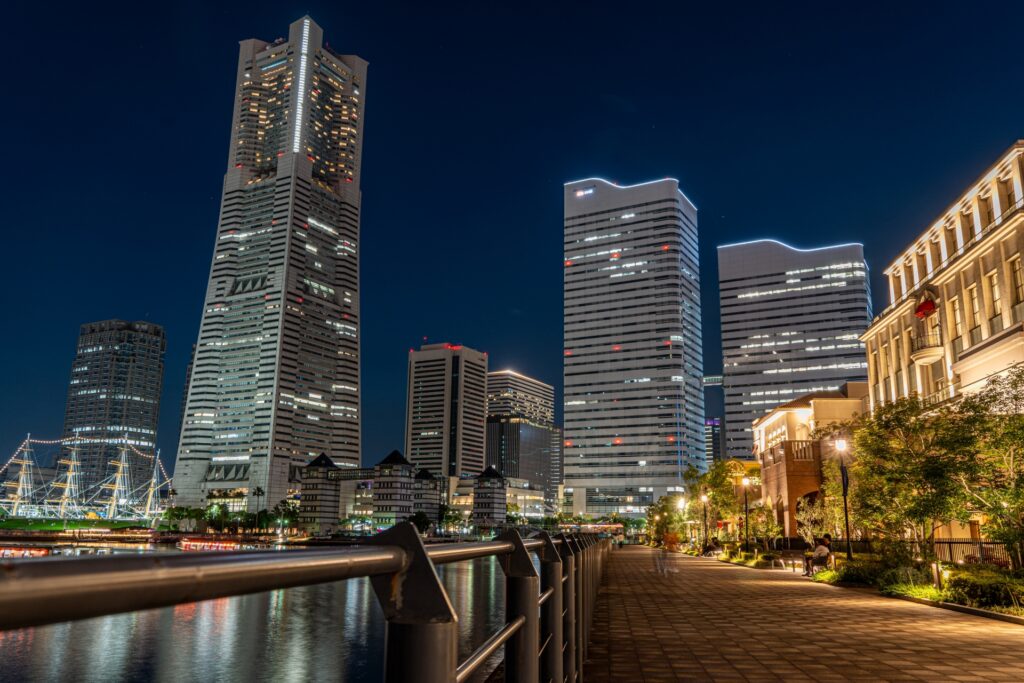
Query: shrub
{"points": [[914, 590], [827, 576], [859, 572], [908, 575], [985, 589]]}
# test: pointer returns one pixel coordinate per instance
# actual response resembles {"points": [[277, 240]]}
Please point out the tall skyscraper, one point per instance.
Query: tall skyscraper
{"points": [[114, 397], [634, 406], [276, 375], [446, 410], [712, 439], [791, 323], [520, 422]]}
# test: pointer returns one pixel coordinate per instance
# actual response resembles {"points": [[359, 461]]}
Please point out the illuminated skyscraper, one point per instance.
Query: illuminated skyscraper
{"points": [[520, 423], [114, 397], [275, 380], [446, 410], [634, 406], [791, 322]]}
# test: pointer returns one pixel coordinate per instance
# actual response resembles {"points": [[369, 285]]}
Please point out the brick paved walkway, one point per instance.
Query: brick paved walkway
{"points": [[713, 621]]}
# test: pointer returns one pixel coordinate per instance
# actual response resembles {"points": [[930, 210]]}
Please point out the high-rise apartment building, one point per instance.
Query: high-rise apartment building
{"points": [[634, 406], [446, 410], [275, 380], [556, 476], [520, 422], [114, 398], [791, 325]]}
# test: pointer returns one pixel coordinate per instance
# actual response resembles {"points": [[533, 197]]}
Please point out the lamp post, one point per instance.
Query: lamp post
{"points": [[704, 499], [841, 447], [746, 516]]}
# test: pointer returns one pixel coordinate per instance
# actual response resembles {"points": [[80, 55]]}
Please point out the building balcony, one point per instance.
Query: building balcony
{"points": [[926, 348]]}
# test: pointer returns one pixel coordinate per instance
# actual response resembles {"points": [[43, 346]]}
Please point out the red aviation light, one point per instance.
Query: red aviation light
{"points": [[664, 247], [568, 352], [671, 439], [299, 299], [668, 342], [616, 348], [615, 254], [568, 444], [266, 297], [281, 153], [238, 166], [568, 263], [617, 442]]}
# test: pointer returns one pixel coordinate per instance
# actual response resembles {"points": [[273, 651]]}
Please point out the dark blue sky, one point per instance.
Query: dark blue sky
{"points": [[784, 120]]}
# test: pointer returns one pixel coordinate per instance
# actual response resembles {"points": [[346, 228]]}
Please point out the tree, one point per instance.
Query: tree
{"points": [[285, 514], [764, 525], [258, 493], [421, 521], [995, 483], [910, 462]]}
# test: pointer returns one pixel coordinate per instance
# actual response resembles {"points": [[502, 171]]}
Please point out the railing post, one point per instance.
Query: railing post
{"points": [[581, 614], [551, 612], [420, 618], [566, 550], [522, 591]]}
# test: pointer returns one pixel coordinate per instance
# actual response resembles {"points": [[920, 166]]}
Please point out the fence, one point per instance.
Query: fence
{"points": [[952, 550], [548, 613]]}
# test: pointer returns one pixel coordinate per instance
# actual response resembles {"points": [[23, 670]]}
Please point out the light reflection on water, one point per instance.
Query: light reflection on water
{"points": [[327, 632]]}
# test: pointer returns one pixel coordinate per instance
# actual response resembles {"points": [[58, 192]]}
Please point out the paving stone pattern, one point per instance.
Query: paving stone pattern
{"points": [[706, 620]]}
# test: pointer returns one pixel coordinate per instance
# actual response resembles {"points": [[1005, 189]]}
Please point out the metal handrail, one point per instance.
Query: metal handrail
{"points": [[401, 570], [490, 646]]}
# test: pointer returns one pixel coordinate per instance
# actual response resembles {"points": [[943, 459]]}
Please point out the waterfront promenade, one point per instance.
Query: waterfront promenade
{"points": [[708, 620]]}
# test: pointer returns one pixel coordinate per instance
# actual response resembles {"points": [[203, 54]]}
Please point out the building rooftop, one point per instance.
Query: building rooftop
{"points": [[490, 473], [425, 474], [322, 461], [395, 458]]}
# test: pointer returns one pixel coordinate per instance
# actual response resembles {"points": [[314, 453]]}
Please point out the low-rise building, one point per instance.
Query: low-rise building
{"points": [[319, 505], [427, 494], [790, 454], [956, 311], [392, 490], [490, 504]]}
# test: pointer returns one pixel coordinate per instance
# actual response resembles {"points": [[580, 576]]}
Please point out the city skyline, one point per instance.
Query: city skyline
{"points": [[394, 261]]}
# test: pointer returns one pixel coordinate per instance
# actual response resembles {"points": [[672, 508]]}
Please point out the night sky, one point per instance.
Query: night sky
{"points": [[780, 120]]}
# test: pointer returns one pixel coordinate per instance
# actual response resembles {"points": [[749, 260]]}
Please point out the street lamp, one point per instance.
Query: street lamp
{"points": [[746, 516], [841, 447], [704, 499], [680, 503]]}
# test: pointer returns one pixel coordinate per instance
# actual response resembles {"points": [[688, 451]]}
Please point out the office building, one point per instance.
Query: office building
{"points": [[712, 439], [520, 423], [556, 470], [113, 399], [446, 410], [275, 380], [634, 406], [511, 393], [791, 325], [956, 296]]}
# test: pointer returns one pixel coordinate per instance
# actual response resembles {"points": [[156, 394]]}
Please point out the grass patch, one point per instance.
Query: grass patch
{"points": [[18, 524]]}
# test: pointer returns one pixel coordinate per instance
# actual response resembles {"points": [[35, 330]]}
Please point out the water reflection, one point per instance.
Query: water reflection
{"points": [[328, 632]]}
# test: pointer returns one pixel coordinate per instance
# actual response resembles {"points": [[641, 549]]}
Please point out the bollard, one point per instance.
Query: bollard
{"points": [[551, 665], [522, 591], [420, 618]]}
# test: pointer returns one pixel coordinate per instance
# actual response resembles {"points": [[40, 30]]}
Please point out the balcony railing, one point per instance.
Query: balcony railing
{"points": [[548, 614], [925, 341]]}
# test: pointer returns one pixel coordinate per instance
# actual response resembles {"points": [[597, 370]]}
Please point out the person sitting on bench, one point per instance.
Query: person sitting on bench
{"points": [[820, 557]]}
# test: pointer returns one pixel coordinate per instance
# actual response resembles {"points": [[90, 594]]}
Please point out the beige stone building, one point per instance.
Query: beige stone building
{"points": [[790, 458], [956, 296]]}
